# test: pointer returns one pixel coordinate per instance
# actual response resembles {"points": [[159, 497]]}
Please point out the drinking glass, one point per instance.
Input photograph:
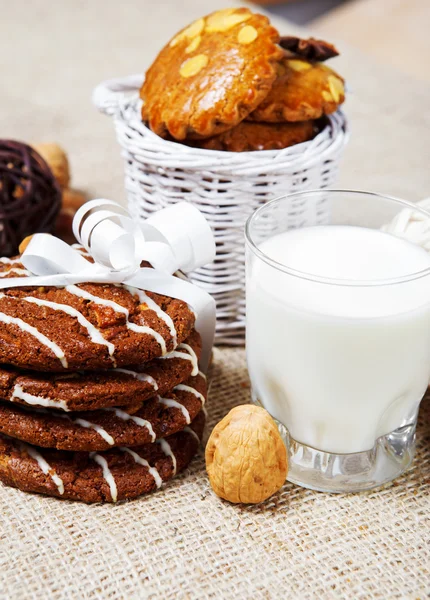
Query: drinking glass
{"points": [[341, 363]]}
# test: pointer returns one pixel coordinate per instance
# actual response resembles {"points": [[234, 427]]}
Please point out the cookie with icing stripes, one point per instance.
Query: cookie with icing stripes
{"points": [[118, 474], [102, 429], [86, 326], [83, 391]]}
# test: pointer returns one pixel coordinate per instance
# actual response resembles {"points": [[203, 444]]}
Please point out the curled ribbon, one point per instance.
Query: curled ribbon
{"points": [[174, 238], [412, 225]]}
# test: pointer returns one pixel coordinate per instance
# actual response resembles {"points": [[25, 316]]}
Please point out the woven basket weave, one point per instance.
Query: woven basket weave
{"points": [[226, 186]]}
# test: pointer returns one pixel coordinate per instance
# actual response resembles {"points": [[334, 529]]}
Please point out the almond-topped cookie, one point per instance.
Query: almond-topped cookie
{"points": [[303, 90], [211, 75], [87, 326], [248, 136]]}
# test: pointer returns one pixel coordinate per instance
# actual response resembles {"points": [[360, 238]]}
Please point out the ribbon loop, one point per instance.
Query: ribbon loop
{"points": [[174, 238]]}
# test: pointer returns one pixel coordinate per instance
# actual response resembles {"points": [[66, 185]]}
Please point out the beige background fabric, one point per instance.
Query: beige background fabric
{"points": [[183, 542], [52, 55]]}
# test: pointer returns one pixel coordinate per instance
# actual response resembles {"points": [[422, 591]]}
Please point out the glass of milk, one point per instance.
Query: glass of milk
{"points": [[338, 333]]}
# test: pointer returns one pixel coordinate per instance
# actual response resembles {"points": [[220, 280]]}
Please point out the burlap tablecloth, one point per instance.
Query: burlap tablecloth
{"points": [[184, 542]]}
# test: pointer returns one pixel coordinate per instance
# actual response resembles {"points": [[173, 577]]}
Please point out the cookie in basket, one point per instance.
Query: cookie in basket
{"points": [[91, 390], [88, 326], [211, 75], [118, 474], [249, 136], [102, 429], [303, 90]]}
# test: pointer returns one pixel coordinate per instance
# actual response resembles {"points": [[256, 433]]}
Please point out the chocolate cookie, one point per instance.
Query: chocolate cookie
{"points": [[303, 90], [158, 417], [88, 326], [211, 75], [248, 136], [118, 474], [83, 391]]}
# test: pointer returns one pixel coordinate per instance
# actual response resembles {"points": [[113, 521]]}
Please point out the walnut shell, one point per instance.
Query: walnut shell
{"points": [[73, 199], [57, 161], [246, 459]]}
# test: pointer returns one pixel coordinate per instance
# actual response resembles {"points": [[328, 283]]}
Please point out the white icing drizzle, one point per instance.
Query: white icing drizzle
{"points": [[193, 355], [35, 333], [125, 416], [173, 404], [109, 478], [84, 423], [8, 261], [82, 251], [145, 329], [102, 432], [140, 377], [176, 354], [77, 291], [18, 392], [44, 466], [16, 271], [203, 375], [192, 432], [141, 461], [94, 334], [188, 388], [165, 447], [145, 299], [185, 356]]}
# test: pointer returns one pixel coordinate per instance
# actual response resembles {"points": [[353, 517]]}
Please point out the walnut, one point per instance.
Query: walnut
{"points": [[73, 200], [57, 161], [246, 459], [311, 49], [23, 245]]}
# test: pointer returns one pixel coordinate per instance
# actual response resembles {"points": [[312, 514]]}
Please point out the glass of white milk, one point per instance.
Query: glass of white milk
{"points": [[338, 334]]}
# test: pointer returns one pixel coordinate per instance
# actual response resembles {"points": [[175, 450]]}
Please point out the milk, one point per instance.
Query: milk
{"points": [[339, 365]]}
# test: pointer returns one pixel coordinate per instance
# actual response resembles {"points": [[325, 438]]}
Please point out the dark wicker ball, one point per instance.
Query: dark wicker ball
{"points": [[30, 197]]}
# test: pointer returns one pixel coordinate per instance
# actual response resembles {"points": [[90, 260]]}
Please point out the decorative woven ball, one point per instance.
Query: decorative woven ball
{"points": [[30, 197]]}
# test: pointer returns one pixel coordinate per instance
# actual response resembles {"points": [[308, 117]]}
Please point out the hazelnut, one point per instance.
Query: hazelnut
{"points": [[246, 459], [57, 161], [72, 201]]}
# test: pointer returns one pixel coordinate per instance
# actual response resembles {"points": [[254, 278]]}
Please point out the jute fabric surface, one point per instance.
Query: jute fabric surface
{"points": [[184, 542]]}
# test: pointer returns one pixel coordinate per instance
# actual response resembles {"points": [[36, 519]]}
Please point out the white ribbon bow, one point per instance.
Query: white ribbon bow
{"points": [[174, 238]]}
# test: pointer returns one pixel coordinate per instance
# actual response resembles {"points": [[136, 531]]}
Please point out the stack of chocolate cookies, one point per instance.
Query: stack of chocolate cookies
{"points": [[229, 82], [101, 397]]}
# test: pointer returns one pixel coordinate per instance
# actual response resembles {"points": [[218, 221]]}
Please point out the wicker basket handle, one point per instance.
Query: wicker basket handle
{"points": [[108, 95]]}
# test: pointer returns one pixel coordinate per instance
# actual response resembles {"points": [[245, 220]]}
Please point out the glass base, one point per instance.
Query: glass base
{"points": [[342, 473]]}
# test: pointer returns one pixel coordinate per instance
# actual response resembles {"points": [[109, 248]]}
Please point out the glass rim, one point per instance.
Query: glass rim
{"points": [[332, 280]]}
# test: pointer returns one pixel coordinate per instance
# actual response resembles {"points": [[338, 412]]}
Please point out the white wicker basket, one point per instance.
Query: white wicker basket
{"points": [[226, 186]]}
